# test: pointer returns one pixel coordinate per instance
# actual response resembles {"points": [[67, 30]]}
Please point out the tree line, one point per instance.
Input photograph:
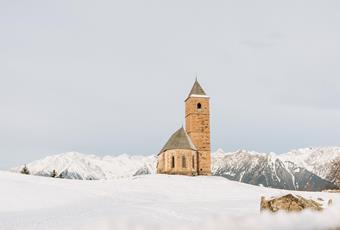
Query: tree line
{"points": [[53, 174]]}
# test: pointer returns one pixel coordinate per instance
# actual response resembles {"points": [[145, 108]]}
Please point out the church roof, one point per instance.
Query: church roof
{"points": [[179, 140], [197, 89]]}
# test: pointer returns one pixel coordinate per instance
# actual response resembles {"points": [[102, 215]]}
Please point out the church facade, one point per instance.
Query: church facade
{"points": [[188, 151]]}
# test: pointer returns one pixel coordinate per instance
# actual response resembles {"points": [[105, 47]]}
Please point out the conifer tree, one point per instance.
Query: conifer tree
{"points": [[54, 173], [25, 170], [60, 176]]}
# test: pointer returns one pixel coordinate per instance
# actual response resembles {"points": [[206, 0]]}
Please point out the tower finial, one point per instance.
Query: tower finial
{"points": [[197, 73]]}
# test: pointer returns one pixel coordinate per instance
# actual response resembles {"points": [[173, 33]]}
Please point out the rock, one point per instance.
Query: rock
{"points": [[142, 171], [289, 203]]}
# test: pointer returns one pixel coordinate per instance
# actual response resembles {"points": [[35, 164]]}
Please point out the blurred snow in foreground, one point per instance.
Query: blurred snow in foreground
{"points": [[148, 202]]}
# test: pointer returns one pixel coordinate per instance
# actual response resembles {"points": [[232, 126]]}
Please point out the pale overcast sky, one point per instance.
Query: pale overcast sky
{"points": [[110, 77]]}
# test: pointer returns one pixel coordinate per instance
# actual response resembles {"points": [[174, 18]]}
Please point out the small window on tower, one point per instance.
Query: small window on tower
{"points": [[172, 162], [199, 106]]}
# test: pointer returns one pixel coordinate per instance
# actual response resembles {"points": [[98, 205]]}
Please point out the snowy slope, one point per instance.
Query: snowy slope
{"points": [[74, 165], [147, 202]]}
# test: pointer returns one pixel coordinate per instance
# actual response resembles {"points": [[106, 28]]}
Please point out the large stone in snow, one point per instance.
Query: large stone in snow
{"points": [[289, 203]]}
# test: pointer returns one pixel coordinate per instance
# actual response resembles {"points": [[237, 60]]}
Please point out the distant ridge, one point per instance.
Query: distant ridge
{"points": [[277, 171], [310, 169], [74, 165]]}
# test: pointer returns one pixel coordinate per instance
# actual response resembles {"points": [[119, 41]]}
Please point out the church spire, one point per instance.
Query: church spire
{"points": [[197, 89]]}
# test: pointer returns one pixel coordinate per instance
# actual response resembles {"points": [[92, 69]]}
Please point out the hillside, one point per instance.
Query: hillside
{"points": [[147, 202]]}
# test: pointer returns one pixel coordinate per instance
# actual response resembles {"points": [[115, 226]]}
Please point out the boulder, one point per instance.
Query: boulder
{"points": [[289, 203]]}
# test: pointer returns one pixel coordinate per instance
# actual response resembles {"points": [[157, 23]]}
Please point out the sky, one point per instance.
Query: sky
{"points": [[109, 77]]}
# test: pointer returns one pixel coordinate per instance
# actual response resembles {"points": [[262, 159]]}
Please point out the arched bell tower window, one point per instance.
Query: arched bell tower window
{"points": [[172, 162], [199, 106]]}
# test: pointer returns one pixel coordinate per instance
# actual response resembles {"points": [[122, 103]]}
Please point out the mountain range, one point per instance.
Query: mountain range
{"points": [[309, 169], [74, 165]]}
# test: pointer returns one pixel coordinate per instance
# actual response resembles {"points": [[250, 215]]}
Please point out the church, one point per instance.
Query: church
{"points": [[188, 152]]}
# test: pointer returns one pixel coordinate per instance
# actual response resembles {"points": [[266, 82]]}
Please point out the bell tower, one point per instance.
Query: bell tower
{"points": [[197, 119]]}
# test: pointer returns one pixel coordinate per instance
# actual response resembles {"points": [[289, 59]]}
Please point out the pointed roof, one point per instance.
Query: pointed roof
{"points": [[179, 140], [197, 89]]}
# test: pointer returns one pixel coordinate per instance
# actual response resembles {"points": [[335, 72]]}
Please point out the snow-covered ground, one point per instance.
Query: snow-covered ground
{"points": [[147, 202]]}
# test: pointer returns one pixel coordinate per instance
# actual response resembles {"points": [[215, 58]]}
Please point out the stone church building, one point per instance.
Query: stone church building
{"points": [[187, 152]]}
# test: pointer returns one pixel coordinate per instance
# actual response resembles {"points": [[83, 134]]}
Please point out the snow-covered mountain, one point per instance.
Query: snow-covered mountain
{"points": [[311, 169], [74, 165], [321, 161], [269, 170]]}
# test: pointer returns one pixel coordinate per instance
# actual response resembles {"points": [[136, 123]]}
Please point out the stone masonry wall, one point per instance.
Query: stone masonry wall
{"points": [[198, 128], [165, 162]]}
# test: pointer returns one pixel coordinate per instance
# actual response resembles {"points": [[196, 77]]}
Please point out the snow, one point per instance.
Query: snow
{"points": [[197, 95], [147, 202]]}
